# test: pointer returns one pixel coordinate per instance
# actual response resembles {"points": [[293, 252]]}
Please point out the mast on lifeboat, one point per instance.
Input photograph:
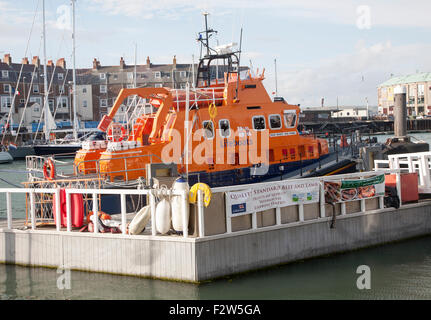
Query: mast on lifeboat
{"points": [[225, 53]]}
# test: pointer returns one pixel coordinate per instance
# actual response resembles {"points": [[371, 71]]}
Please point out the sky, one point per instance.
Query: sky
{"points": [[339, 50]]}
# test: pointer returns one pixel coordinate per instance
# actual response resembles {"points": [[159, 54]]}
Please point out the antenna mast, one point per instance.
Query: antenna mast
{"points": [[45, 76], [276, 88], [75, 116], [239, 66]]}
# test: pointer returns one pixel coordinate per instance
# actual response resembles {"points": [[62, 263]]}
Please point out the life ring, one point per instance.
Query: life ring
{"points": [[193, 195], [49, 163], [212, 111], [121, 138]]}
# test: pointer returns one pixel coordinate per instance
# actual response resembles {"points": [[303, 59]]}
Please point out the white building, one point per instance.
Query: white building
{"points": [[84, 102], [350, 112]]}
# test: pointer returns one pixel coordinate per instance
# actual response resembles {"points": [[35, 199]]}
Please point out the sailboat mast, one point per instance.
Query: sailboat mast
{"points": [[75, 119], [45, 76]]}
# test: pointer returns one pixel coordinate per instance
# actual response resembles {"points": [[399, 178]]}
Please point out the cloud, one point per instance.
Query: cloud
{"points": [[383, 13], [351, 77]]}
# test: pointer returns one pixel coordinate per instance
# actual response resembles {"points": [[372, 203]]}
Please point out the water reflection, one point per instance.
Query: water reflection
{"points": [[398, 271]]}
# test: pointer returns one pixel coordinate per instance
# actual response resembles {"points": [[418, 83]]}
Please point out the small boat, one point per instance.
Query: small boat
{"points": [[5, 156], [19, 152], [57, 149]]}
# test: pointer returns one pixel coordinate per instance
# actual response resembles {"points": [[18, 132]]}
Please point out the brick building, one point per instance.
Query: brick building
{"points": [[31, 86]]}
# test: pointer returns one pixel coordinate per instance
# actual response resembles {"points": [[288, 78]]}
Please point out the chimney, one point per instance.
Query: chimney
{"points": [[36, 61], [24, 60], [61, 63], [7, 59], [148, 62], [50, 63], [96, 64], [122, 63], [174, 62]]}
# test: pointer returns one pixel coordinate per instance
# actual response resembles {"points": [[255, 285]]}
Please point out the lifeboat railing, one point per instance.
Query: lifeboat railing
{"points": [[34, 167], [126, 170], [95, 196], [218, 207]]}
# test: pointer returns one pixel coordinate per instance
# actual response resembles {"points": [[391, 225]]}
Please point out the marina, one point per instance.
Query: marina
{"points": [[199, 177]]}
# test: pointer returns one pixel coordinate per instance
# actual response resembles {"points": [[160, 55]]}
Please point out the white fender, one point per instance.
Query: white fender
{"points": [[177, 207], [140, 220], [163, 216]]}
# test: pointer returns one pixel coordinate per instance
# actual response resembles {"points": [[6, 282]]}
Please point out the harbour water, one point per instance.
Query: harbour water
{"points": [[398, 271]]}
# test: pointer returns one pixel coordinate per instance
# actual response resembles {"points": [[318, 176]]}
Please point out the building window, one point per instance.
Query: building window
{"points": [[6, 88], [289, 118], [209, 129], [103, 102], [275, 121], [36, 100], [103, 88], [62, 102], [130, 75], [143, 76], [259, 123], [102, 76], [60, 76], [130, 86], [84, 90], [84, 103], [5, 74], [421, 93], [224, 126], [157, 74], [158, 85], [61, 89], [115, 76], [183, 74], [51, 104], [35, 88], [6, 102], [34, 75]]}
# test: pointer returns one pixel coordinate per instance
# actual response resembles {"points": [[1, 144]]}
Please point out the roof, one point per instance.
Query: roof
{"points": [[417, 77]]}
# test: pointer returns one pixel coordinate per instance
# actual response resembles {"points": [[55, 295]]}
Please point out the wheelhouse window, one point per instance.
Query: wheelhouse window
{"points": [[289, 118], [259, 123], [224, 128], [209, 129], [275, 121]]}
